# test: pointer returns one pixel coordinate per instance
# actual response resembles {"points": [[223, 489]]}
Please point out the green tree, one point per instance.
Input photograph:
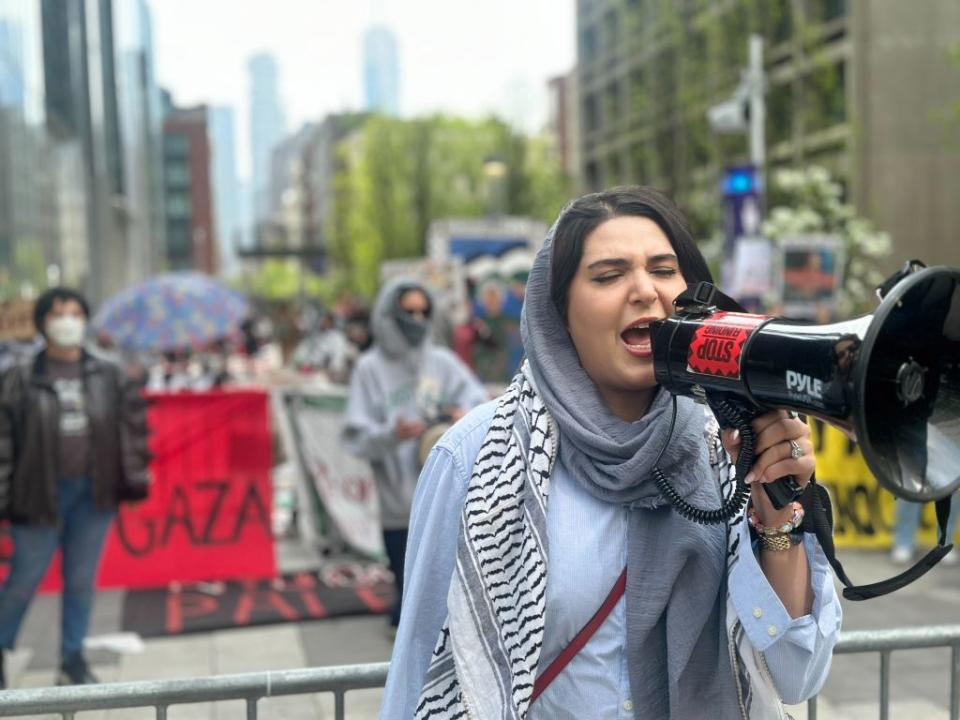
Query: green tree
{"points": [[394, 177], [810, 201], [283, 279], [28, 271]]}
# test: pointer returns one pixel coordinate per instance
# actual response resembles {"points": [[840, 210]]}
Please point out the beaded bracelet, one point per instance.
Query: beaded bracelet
{"points": [[792, 524]]}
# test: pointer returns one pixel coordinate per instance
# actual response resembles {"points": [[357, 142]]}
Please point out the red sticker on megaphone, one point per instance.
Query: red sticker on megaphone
{"points": [[718, 343]]}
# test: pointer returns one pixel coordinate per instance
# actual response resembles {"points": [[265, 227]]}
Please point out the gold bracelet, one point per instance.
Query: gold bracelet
{"points": [[780, 541]]}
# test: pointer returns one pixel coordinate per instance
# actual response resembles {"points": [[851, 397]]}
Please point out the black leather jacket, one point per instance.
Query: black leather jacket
{"points": [[29, 438]]}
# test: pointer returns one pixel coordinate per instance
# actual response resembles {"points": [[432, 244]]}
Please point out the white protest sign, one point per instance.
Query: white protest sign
{"points": [[342, 483]]}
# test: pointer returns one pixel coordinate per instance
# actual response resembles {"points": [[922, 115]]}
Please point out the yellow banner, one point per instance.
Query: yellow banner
{"points": [[863, 512]]}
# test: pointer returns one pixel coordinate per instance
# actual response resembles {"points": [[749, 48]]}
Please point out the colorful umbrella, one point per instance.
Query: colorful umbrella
{"points": [[168, 312]]}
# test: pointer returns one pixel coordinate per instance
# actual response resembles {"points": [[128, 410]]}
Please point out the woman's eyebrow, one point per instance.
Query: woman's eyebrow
{"points": [[663, 257], [609, 262], [624, 263]]}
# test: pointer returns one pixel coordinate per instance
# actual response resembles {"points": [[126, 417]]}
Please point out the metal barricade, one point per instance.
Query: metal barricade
{"points": [[885, 642], [161, 694], [251, 687]]}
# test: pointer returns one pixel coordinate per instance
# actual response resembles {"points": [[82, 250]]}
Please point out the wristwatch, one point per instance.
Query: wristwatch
{"points": [[780, 541]]}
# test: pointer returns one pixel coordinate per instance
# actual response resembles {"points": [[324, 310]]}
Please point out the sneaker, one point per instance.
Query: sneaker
{"points": [[75, 671], [901, 555]]}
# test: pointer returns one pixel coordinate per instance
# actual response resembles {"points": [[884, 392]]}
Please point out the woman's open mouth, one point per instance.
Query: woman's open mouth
{"points": [[636, 339]]}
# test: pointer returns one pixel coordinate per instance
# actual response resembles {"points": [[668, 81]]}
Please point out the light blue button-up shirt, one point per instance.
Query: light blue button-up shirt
{"points": [[587, 552]]}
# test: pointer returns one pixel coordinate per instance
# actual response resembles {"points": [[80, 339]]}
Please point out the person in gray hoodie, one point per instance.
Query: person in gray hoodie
{"points": [[399, 387]]}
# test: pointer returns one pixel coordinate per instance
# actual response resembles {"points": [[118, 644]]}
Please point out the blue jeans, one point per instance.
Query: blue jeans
{"points": [[83, 528], [908, 522]]}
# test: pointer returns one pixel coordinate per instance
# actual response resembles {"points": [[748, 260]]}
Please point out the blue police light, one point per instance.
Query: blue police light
{"points": [[740, 181]]}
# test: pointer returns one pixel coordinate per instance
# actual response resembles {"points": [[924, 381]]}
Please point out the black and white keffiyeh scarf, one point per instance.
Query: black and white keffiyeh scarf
{"points": [[487, 656], [489, 660], [489, 648]]}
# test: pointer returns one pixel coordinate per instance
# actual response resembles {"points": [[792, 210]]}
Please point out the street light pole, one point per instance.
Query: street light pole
{"points": [[758, 111], [744, 188], [746, 110]]}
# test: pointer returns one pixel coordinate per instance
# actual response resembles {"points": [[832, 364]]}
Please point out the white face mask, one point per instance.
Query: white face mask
{"points": [[67, 330]]}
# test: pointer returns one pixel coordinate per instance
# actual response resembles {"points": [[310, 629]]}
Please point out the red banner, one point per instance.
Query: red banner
{"points": [[208, 514]]}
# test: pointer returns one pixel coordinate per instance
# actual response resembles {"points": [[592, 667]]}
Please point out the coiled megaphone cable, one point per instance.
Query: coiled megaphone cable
{"points": [[731, 414]]}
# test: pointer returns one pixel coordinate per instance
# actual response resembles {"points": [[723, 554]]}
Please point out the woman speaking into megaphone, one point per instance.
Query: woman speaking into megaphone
{"points": [[547, 576]]}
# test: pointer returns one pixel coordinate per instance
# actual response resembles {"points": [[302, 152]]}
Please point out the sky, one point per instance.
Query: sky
{"points": [[465, 57]]}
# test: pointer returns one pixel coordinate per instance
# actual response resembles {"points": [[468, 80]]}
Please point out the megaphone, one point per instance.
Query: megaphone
{"points": [[890, 380]]}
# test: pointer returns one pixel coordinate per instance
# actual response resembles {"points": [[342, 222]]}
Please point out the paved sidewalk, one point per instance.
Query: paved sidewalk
{"points": [[270, 647], [919, 684]]}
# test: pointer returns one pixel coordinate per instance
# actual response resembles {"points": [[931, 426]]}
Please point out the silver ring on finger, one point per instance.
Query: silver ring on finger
{"points": [[796, 452]]}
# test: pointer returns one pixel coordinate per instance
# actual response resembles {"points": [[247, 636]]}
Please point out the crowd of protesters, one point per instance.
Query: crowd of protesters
{"points": [[325, 341], [74, 440]]}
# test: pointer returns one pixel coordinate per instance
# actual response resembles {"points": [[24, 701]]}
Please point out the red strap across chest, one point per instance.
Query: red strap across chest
{"points": [[581, 638]]}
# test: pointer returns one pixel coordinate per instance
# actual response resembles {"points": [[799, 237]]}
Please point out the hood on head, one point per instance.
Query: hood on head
{"points": [[386, 331]]}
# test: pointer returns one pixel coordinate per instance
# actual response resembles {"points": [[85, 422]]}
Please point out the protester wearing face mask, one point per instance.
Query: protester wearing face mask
{"points": [[73, 444], [398, 387]]}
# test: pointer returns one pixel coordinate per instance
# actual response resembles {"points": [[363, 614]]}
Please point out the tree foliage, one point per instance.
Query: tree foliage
{"points": [[27, 273], [283, 279], [394, 177]]}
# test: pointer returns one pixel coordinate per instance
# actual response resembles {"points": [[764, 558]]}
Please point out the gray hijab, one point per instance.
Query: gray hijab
{"points": [[676, 639]]}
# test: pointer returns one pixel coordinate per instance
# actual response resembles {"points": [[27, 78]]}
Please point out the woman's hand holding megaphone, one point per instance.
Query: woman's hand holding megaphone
{"points": [[783, 447]]}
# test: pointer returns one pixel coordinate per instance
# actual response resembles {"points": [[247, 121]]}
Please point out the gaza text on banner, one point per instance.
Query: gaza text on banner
{"points": [[208, 513]]}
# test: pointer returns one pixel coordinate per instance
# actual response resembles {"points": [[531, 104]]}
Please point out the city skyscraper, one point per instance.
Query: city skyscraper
{"points": [[188, 188], [267, 127], [226, 187], [90, 144], [381, 71], [140, 129], [27, 231]]}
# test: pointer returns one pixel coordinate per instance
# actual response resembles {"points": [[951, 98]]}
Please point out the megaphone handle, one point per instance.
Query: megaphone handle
{"points": [[732, 412], [783, 491]]}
